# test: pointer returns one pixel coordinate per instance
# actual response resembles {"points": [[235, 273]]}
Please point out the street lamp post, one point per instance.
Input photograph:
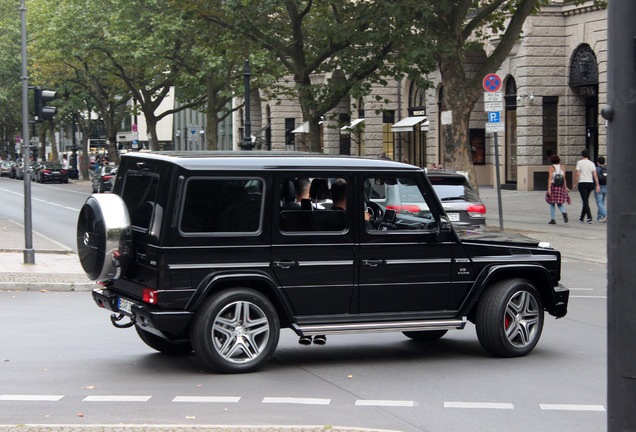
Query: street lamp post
{"points": [[247, 131]]}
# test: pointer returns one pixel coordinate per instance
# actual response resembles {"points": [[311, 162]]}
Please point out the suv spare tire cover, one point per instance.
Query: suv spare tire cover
{"points": [[104, 237]]}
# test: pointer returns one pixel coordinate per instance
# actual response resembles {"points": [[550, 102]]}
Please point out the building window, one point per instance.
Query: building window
{"points": [[416, 96], [290, 139], [550, 127], [360, 107], [388, 119]]}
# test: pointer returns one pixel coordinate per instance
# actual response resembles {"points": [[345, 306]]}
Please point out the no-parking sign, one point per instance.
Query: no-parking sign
{"points": [[492, 83]]}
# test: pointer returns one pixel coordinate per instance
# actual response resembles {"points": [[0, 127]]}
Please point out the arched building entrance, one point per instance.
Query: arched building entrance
{"points": [[584, 83]]}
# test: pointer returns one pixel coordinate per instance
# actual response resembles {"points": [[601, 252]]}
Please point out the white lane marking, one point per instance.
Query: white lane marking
{"points": [[207, 399], [41, 200], [31, 398], [387, 403], [478, 405], [571, 407], [294, 400], [114, 398], [581, 289], [590, 297]]}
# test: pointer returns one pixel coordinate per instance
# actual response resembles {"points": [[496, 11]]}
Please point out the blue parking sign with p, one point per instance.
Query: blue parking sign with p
{"points": [[493, 117]]}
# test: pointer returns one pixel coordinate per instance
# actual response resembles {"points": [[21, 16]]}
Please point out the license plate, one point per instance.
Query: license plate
{"points": [[454, 217], [125, 305]]}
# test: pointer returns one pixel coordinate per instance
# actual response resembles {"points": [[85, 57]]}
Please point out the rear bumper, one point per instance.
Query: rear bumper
{"points": [[168, 322]]}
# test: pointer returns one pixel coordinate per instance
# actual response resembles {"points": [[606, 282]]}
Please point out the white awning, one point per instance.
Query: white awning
{"points": [[304, 128], [407, 124], [425, 125], [347, 128]]}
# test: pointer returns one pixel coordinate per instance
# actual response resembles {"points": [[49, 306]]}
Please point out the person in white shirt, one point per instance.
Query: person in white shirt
{"points": [[585, 180]]}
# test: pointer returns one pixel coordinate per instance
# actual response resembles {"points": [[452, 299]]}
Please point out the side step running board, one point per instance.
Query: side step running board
{"points": [[391, 326]]}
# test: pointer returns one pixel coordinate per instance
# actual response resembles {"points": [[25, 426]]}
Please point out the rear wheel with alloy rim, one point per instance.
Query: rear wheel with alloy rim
{"points": [[509, 318], [235, 331]]}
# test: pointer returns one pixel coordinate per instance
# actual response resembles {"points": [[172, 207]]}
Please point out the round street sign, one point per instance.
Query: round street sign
{"points": [[492, 83], [134, 127]]}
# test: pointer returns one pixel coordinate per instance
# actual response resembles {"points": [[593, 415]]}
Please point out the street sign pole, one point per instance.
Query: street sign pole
{"points": [[501, 226], [493, 100], [29, 253]]}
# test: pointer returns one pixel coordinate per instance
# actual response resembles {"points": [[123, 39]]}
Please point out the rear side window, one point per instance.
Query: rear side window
{"points": [[140, 195], [222, 206]]}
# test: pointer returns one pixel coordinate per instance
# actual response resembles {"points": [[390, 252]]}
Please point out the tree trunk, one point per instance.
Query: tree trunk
{"points": [[151, 127], [56, 155], [84, 160], [212, 121]]}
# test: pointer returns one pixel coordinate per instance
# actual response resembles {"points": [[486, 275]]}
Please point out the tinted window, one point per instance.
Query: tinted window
{"points": [[306, 205], [222, 205], [140, 195]]}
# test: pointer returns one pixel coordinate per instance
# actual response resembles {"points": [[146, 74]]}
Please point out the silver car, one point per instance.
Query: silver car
{"points": [[460, 200]]}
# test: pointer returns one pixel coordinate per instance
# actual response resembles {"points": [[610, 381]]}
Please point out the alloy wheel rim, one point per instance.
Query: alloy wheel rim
{"points": [[521, 319], [240, 332]]}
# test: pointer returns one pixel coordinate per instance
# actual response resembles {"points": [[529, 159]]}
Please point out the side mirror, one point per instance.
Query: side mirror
{"points": [[445, 224]]}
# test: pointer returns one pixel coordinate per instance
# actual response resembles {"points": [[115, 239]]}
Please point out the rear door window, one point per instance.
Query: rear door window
{"points": [[140, 195], [222, 206]]}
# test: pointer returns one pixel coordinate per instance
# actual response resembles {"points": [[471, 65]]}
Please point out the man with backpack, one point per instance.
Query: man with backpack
{"points": [[601, 172]]}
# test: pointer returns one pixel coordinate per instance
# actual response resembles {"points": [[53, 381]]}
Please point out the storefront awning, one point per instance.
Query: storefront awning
{"points": [[407, 124], [304, 128], [425, 125], [347, 128]]}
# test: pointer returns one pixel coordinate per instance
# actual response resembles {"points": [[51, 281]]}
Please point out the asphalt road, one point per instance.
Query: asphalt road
{"points": [[55, 207], [61, 362]]}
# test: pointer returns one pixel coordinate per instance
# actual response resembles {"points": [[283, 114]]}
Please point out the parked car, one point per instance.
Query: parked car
{"points": [[460, 200], [6, 167], [103, 182], [19, 172], [49, 172], [203, 252]]}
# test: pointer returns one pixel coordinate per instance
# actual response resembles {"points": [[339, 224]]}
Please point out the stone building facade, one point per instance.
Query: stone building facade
{"points": [[554, 83]]}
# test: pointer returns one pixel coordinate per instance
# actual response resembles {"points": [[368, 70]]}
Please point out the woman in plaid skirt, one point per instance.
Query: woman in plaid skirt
{"points": [[557, 194]]}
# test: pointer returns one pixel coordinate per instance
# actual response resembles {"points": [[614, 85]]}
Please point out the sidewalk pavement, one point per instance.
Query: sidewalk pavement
{"points": [[57, 268]]}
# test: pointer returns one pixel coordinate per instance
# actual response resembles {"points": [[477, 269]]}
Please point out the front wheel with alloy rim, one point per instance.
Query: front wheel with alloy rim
{"points": [[509, 318], [235, 331]]}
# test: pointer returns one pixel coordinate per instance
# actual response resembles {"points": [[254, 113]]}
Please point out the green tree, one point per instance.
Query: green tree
{"points": [[10, 76], [458, 27], [350, 41]]}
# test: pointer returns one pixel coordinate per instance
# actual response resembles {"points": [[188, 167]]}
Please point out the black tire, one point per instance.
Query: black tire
{"points": [[224, 342], [509, 318], [104, 236], [162, 345], [425, 336]]}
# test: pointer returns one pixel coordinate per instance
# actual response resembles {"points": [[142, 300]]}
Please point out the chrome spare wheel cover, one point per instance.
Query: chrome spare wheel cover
{"points": [[104, 237], [240, 332], [521, 320]]}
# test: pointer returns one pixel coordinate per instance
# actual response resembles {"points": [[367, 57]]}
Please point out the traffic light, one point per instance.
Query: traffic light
{"points": [[42, 111]]}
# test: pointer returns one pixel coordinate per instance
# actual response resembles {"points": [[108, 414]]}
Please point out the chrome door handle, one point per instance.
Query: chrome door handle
{"points": [[285, 264], [373, 262]]}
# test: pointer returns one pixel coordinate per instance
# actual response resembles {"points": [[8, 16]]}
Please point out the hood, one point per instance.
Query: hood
{"points": [[497, 237]]}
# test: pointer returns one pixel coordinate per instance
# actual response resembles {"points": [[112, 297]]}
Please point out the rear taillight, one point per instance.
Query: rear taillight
{"points": [[150, 296], [107, 177], [476, 210], [63, 171], [46, 171], [408, 208]]}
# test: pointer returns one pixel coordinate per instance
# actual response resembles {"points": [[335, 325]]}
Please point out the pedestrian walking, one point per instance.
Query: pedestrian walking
{"points": [[586, 181], [558, 192], [600, 196]]}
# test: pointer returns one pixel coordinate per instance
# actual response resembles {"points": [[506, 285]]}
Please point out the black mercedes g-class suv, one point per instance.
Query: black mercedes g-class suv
{"points": [[216, 252]]}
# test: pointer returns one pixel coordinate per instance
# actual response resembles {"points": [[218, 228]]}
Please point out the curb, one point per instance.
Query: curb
{"points": [[184, 428], [46, 286]]}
